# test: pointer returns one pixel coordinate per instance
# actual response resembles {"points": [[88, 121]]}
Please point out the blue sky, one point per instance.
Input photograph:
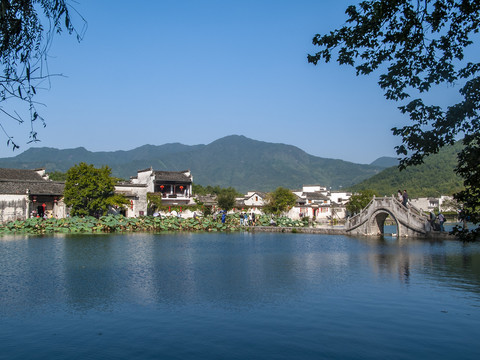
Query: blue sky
{"points": [[155, 72]]}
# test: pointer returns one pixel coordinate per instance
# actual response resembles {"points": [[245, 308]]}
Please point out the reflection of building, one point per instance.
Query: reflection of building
{"points": [[26, 193], [174, 188]]}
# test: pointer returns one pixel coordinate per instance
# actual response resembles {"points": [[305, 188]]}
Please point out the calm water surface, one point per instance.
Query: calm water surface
{"points": [[238, 296]]}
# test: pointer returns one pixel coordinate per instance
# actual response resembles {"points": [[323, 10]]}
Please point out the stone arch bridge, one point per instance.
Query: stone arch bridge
{"points": [[370, 221]]}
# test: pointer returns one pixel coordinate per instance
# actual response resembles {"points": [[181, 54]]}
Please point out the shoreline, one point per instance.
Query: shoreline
{"points": [[434, 235]]}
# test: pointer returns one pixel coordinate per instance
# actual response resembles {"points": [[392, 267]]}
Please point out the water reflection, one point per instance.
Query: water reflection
{"points": [[238, 270], [89, 266]]}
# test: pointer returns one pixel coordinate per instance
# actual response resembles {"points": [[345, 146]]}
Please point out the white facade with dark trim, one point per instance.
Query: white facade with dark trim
{"points": [[174, 187], [29, 193]]}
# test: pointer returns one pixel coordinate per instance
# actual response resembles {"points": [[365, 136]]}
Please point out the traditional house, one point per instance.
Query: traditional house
{"points": [[313, 202], [254, 200], [174, 188], [443, 203], [338, 201], [425, 204], [339, 197], [207, 200], [27, 193]]}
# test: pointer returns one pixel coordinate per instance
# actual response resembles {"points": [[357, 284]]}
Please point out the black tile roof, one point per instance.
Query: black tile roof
{"points": [[172, 176], [263, 195], [17, 181], [41, 187], [19, 174], [315, 196]]}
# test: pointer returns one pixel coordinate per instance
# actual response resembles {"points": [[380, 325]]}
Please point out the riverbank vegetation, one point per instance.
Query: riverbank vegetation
{"points": [[118, 223]]}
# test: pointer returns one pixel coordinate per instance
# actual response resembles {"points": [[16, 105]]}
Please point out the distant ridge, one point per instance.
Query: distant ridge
{"points": [[385, 162], [236, 161], [433, 178]]}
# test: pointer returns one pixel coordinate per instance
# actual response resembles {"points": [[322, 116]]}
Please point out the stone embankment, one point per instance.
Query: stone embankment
{"points": [[303, 230], [338, 230]]}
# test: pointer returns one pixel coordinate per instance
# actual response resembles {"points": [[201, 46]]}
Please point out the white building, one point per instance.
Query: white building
{"points": [[174, 188], [255, 199], [339, 197], [27, 193], [313, 202], [432, 203]]}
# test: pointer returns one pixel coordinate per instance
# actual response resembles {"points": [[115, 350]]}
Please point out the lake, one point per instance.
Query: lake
{"points": [[238, 296]]}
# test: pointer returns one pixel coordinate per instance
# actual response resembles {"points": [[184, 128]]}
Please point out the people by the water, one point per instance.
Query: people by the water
{"points": [[441, 221], [404, 198], [433, 217], [400, 196]]}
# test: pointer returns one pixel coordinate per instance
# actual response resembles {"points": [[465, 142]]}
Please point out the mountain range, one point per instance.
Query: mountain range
{"points": [[235, 161]]}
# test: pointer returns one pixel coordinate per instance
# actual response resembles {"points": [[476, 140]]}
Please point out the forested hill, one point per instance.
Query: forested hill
{"points": [[433, 178], [236, 161], [385, 162]]}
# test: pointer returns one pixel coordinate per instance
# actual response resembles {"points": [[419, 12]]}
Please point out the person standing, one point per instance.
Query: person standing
{"points": [[405, 198], [441, 220], [400, 195], [432, 219]]}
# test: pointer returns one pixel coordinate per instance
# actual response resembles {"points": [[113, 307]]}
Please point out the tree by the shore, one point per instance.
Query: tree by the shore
{"points": [[279, 201], [417, 45], [90, 191]]}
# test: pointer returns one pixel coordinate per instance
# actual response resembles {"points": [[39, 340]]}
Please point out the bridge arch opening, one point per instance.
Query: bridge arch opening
{"points": [[383, 222]]}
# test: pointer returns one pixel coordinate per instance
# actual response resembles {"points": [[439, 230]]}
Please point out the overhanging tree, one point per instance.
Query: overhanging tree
{"points": [[419, 44], [90, 191], [27, 28]]}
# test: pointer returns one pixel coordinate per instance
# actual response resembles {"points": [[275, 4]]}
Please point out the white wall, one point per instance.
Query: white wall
{"points": [[254, 200], [314, 188], [335, 196], [13, 207]]}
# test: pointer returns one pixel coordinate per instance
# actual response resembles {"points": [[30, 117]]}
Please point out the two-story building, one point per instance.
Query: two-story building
{"points": [[174, 188], [313, 202]]}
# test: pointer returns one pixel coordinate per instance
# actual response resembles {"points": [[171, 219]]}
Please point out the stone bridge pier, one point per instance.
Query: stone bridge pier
{"points": [[370, 221]]}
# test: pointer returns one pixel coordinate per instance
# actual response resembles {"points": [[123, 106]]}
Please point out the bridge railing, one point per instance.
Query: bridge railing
{"points": [[411, 209], [356, 219]]}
